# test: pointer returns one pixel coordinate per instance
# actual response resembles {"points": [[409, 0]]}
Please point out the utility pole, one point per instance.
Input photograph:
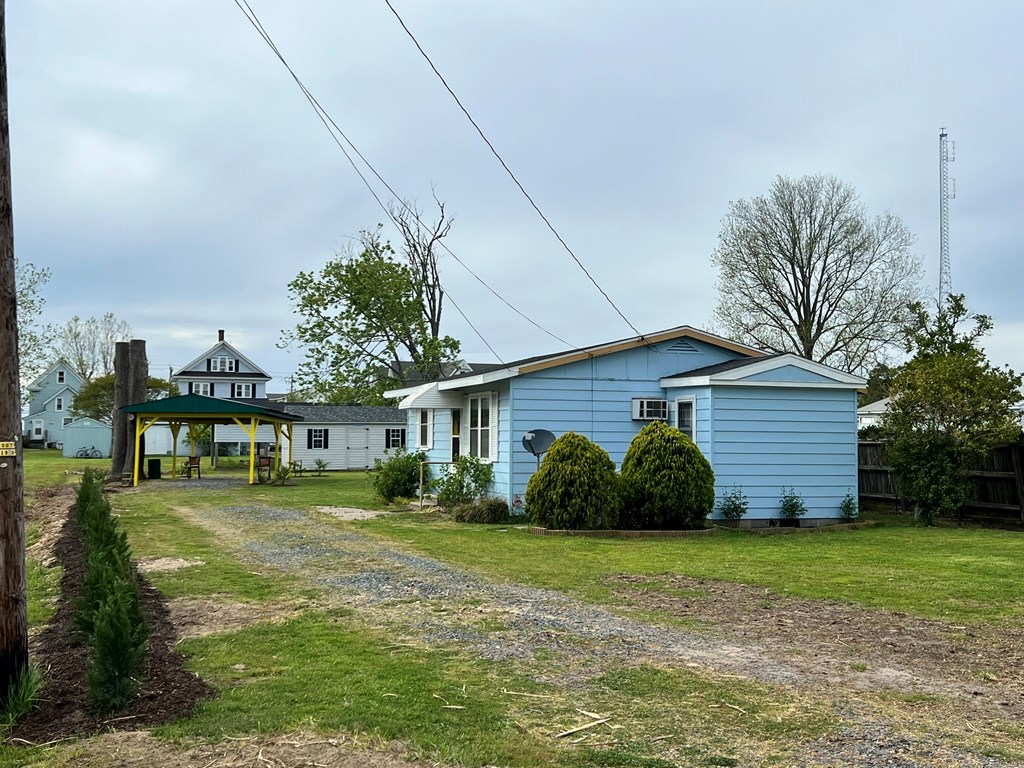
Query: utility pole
{"points": [[13, 608]]}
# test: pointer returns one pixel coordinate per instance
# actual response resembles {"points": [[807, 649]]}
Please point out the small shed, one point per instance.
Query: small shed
{"points": [[87, 434]]}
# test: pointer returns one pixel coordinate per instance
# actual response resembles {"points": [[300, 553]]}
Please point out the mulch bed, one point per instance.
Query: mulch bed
{"points": [[169, 692]]}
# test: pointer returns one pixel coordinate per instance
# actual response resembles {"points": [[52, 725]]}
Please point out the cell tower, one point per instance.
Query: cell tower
{"points": [[947, 154]]}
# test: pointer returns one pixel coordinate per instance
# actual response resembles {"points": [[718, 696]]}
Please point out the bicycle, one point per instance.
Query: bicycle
{"points": [[89, 453]]}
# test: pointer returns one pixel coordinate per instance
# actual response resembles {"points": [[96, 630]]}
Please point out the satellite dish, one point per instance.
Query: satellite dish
{"points": [[537, 441]]}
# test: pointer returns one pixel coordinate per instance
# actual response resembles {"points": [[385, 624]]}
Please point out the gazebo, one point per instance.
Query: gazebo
{"points": [[198, 410]]}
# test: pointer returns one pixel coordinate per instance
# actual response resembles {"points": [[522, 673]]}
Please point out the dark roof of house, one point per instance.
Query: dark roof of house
{"points": [[412, 376], [222, 375], [728, 365], [343, 414]]}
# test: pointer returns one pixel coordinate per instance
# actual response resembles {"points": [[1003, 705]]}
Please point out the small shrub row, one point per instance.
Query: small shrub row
{"points": [[485, 510], [109, 615]]}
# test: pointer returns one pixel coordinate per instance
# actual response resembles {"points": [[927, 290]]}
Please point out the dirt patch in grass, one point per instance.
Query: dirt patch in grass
{"points": [[49, 509], [140, 749], [351, 513], [197, 618], [151, 564], [850, 646]]}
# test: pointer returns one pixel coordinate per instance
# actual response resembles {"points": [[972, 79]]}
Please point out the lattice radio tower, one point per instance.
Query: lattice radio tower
{"points": [[947, 154]]}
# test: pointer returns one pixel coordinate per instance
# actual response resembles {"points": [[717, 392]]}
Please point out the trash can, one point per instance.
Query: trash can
{"points": [[154, 469]]}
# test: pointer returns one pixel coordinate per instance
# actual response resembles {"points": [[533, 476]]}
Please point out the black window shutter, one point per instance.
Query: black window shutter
{"points": [[325, 437], [309, 439], [190, 387], [237, 365], [387, 438], [403, 437], [212, 385], [209, 364]]}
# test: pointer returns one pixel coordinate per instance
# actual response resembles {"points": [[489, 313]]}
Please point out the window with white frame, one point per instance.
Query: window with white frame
{"points": [[226, 364], [66, 420], [59, 405], [685, 418], [394, 438], [60, 377], [201, 388], [317, 438], [243, 390], [481, 426], [650, 409], [425, 429]]}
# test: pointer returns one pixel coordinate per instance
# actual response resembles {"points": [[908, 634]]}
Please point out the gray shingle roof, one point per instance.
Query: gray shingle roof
{"points": [[343, 414], [728, 365]]}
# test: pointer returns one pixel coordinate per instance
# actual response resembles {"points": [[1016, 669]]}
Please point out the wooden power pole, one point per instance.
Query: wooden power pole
{"points": [[13, 615]]}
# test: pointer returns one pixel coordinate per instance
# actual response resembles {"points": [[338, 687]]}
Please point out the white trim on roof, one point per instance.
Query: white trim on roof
{"points": [[425, 396], [479, 380], [210, 353], [60, 393], [738, 376]]}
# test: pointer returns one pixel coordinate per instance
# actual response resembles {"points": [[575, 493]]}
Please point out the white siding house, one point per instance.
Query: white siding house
{"points": [[345, 436]]}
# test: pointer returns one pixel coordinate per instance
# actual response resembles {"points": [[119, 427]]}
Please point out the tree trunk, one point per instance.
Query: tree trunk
{"points": [[138, 378], [119, 444], [13, 608]]}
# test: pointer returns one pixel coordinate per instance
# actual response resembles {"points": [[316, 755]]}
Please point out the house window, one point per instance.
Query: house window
{"points": [[650, 410], [685, 418], [316, 438], [394, 438], [456, 433], [37, 428], [483, 432], [225, 364], [201, 388], [243, 390], [425, 429], [60, 377], [67, 420], [59, 406]]}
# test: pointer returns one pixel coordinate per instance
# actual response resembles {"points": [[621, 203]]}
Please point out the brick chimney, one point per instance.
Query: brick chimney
{"points": [[220, 335]]}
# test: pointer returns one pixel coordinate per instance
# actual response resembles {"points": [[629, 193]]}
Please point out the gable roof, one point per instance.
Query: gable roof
{"points": [[879, 406], [209, 408], [739, 372], [498, 372], [40, 380], [60, 393], [222, 348], [344, 414]]}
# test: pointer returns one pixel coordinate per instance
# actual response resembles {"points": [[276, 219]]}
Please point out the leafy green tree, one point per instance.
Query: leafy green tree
{"points": [[879, 384], [96, 398], [950, 407], [33, 338], [805, 269], [368, 314]]}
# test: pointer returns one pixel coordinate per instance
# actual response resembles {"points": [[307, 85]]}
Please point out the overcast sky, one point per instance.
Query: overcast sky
{"points": [[167, 168]]}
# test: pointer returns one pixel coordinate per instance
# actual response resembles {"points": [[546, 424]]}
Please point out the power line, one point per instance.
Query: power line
{"points": [[328, 122], [508, 170]]}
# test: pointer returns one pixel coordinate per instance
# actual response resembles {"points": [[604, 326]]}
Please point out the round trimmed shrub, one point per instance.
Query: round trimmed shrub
{"points": [[575, 488], [666, 481]]}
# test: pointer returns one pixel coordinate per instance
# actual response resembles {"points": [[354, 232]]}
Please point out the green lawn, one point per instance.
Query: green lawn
{"points": [[327, 669]]}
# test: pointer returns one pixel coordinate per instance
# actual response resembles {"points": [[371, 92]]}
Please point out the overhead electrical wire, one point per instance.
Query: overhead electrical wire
{"points": [[508, 170], [332, 127]]}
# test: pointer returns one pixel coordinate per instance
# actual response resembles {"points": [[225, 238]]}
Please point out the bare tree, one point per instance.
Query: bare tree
{"points": [[88, 345], [420, 243], [804, 269]]}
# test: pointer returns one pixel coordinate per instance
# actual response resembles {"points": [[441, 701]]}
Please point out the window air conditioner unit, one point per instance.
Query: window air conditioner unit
{"points": [[650, 410]]}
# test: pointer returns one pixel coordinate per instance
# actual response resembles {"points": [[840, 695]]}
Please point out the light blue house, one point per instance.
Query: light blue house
{"points": [[48, 405], [764, 422]]}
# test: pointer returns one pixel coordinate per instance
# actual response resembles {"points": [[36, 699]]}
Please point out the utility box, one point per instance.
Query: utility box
{"points": [[154, 469]]}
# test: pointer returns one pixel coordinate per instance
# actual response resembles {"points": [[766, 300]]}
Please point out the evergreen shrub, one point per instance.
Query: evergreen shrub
{"points": [[666, 481], [734, 504], [575, 488], [118, 653], [399, 475]]}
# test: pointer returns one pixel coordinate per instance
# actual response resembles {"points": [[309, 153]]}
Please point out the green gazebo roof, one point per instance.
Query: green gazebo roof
{"points": [[201, 407]]}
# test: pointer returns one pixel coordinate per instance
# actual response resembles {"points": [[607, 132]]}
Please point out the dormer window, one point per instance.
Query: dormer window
{"points": [[223, 364]]}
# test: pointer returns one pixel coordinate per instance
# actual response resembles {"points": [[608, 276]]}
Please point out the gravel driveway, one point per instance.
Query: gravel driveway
{"points": [[404, 589]]}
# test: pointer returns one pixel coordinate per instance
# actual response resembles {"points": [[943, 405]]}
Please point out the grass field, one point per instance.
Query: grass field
{"points": [[283, 676]]}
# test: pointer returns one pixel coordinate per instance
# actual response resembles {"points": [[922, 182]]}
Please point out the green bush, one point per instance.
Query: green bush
{"points": [[734, 504], [118, 653], [463, 482], [933, 475], [848, 507], [399, 476], [791, 504], [575, 488], [487, 510], [666, 481], [103, 567]]}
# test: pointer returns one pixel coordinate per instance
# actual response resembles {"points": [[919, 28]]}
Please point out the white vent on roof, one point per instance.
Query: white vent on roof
{"points": [[682, 345], [650, 410]]}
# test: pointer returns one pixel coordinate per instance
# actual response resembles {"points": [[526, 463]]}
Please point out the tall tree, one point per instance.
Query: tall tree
{"points": [[369, 316], [33, 337], [950, 407], [88, 345], [804, 269]]}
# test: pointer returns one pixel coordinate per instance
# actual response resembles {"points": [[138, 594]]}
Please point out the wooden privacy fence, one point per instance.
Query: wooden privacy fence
{"points": [[998, 481]]}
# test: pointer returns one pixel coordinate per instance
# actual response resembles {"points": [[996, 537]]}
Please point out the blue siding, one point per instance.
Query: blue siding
{"points": [[767, 439]]}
